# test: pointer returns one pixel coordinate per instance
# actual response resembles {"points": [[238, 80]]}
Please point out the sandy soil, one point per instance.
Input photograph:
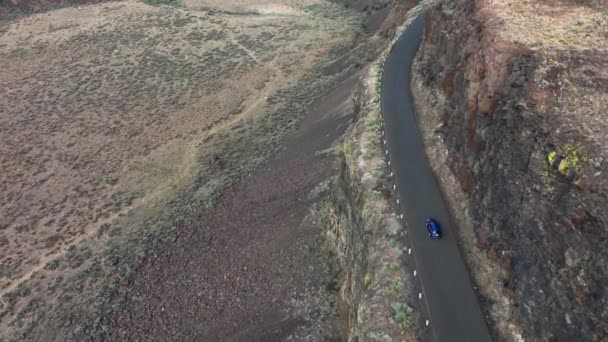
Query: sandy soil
{"points": [[110, 109]]}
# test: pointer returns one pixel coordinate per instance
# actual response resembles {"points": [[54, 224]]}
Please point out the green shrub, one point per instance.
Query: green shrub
{"points": [[393, 288], [403, 314]]}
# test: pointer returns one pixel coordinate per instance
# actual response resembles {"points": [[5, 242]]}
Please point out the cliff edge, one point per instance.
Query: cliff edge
{"points": [[513, 103]]}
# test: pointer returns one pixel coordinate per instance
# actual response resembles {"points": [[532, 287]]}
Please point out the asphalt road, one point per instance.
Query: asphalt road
{"points": [[453, 307]]}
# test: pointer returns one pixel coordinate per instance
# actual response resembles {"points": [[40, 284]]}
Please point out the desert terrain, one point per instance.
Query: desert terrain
{"points": [[218, 170], [122, 121]]}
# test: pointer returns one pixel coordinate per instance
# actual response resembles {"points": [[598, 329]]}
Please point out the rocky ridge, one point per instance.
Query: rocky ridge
{"points": [[514, 116]]}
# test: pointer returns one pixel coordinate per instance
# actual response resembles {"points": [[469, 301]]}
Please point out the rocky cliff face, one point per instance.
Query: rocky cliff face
{"points": [[515, 112], [377, 292]]}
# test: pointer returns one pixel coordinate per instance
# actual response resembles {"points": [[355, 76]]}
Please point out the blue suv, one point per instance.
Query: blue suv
{"points": [[433, 227]]}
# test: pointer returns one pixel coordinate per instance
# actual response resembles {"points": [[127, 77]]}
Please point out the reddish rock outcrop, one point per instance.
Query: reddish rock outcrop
{"points": [[532, 174]]}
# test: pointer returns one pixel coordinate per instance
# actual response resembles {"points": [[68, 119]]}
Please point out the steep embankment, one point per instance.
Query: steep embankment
{"points": [[513, 99], [378, 288]]}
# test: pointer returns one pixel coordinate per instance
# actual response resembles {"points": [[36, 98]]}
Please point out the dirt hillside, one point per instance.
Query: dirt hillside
{"points": [[123, 121]]}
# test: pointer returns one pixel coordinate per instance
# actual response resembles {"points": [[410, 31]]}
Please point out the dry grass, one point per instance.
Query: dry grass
{"points": [[110, 110], [561, 24], [286, 7]]}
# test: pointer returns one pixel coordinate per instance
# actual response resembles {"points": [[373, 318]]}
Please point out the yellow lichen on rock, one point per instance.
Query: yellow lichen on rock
{"points": [[552, 156], [574, 159]]}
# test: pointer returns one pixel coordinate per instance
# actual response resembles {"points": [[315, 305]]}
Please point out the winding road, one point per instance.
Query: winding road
{"points": [[455, 314]]}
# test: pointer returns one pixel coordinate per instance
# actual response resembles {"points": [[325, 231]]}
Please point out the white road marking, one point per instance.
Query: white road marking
{"points": [[414, 273], [409, 251], [389, 163], [401, 216], [391, 174], [397, 201], [394, 187], [419, 295], [427, 322], [386, 152]]}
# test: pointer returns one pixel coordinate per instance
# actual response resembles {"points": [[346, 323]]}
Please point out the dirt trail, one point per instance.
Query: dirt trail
{"points": [[184, 172], [249, 52], [93, 229]]}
